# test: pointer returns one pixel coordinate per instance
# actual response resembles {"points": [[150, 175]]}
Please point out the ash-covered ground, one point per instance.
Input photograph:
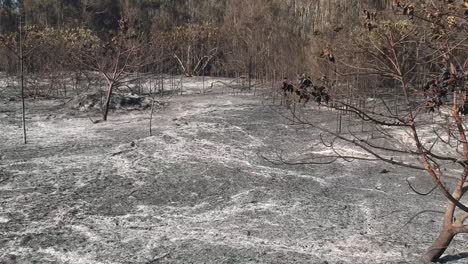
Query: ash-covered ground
{"points": [[199, 190]]}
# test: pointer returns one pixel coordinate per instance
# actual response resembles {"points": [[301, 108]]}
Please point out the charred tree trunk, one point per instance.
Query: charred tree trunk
{"points": [[21, 61], [108, 99], [189, 62], [152, 112], [250, 71]]}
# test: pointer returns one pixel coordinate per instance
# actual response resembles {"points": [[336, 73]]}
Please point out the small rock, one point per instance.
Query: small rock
{"points": [[384, 171], [132, 144]]}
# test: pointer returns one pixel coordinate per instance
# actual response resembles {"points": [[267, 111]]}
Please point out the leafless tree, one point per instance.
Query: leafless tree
{"points": [[193, 46], [16, 46], [117, 60]]}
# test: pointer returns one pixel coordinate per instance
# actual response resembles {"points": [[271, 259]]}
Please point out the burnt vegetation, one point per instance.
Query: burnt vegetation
{"points": [[397, 68]]}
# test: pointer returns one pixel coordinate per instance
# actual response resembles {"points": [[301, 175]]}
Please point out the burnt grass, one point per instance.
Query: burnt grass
{"points": [[199, 190]]}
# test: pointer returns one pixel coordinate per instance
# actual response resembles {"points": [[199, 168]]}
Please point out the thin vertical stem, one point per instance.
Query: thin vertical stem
{"points": [[21, 59]]}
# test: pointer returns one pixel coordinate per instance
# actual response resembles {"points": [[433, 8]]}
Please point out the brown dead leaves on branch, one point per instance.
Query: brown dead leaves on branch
{"points": [[419, 50]]}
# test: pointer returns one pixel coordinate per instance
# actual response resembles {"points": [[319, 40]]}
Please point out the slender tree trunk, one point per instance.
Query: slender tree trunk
{"points": [[162, 84], [203, 80], [189, 66], [152, 112], [22, 73], [250, 71], [439, 245], [23, 100], [108, 99], [151, 119], [181, 84], [446, 235]]}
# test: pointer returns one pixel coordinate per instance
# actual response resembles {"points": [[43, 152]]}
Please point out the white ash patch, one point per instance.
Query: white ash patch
{"points": [[84, 230], [4, 220], [71, 257]]}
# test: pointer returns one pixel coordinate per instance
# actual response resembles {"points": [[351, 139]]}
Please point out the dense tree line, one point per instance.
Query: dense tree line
{"points": [[267, 37]]}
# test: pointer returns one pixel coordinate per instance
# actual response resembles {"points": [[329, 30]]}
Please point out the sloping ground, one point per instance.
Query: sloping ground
{"points": [[198, 191]]}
